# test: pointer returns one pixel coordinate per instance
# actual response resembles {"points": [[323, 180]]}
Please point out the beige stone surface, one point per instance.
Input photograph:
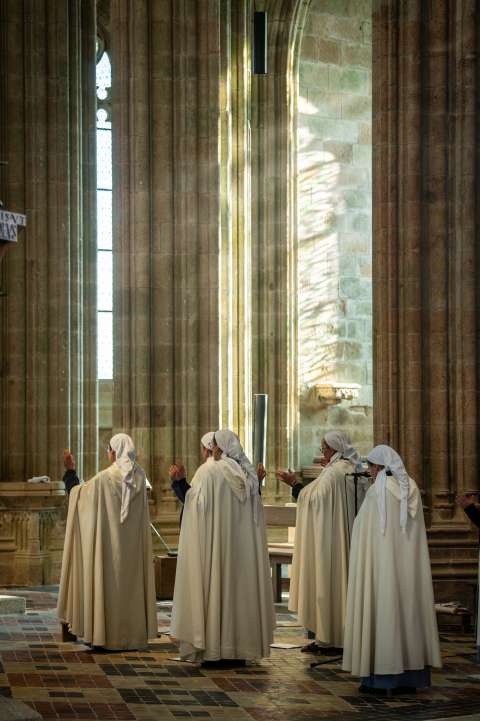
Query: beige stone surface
{"points": [[333, 233], [31, 532], [166, 321], [12, 604], [47, 381], [206, 240], [424, 268]]}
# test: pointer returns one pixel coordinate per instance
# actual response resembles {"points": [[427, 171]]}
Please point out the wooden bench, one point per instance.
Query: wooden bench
{"points": [[280, 554]]}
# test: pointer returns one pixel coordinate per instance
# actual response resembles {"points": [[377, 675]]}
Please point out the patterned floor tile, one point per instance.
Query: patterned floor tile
{"points": [[68, 681]]}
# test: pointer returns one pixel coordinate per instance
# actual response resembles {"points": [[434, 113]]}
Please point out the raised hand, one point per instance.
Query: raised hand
{"points": [[68, 460], [261, 472], [177, 471], [289, 477]]}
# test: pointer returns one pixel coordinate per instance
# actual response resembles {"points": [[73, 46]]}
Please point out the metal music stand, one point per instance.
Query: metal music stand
{"points": [[355, 475], [163, 541]]}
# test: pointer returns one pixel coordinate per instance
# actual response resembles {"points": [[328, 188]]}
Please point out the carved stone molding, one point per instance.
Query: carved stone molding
{"points": [[28, 513], [330, 394]]}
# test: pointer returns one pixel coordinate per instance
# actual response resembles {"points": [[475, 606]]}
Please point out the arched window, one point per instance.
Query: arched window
{"points": [[333, 228], [104, 218]]}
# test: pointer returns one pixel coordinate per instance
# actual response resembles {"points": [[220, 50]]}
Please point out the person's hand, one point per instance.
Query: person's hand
{"points": [[177, 471], [261, 472], [468, 499], [68, 460], [289, 477]]}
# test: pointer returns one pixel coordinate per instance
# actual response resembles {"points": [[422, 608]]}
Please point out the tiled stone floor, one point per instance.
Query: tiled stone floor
{"points": [[68, 681]]}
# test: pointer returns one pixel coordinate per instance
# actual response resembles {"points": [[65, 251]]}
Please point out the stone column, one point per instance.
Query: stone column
{"points": [[47, 322], [47, 306], [274, 352], [165, 58], [425, 249], [235, 233]]}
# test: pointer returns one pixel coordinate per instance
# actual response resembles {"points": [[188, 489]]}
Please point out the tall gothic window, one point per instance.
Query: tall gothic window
{"points": [[334, 227], [104, 219]]}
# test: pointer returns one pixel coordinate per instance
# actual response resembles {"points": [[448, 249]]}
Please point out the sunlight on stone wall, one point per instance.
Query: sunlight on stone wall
{"points": [[334, 224]]}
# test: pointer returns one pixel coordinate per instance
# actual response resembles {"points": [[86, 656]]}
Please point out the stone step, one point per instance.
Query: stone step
{"points": [[12, 604]]}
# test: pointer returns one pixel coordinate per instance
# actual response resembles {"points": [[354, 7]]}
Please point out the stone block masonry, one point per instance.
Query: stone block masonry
{"points": [[334, 221]]}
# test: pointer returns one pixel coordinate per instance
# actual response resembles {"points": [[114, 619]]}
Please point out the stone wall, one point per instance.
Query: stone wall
{"points": [[47, 305], [334, 224]]}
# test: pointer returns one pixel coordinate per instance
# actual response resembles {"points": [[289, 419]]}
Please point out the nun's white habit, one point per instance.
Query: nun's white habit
{"points": [[222, 605], [325, 515], [107, 585], [391, 636]]}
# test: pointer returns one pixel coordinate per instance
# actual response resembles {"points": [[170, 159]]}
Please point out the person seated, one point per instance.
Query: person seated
{"points": [[107, 583]]}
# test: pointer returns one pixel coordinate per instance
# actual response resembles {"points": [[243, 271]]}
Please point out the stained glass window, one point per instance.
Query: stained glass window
{"points": [[104, 222]]}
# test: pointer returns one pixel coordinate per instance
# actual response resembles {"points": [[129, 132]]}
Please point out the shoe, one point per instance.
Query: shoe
{"points": [[331, 651], [67, 635], [372, 691], [311, 648], [224, 663]]}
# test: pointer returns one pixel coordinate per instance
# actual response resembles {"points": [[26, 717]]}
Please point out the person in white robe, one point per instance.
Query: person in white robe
{"points": [[107, 585], [223, 603], [178, 474], [391, 636], [325, 515]]}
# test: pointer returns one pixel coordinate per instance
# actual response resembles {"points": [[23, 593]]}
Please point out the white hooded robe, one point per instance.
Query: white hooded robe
{"points": [[318, 586], [107, 584], [223, 601], [390, 625]]}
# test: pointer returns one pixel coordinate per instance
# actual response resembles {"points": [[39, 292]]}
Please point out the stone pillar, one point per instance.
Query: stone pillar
{"points": [[47, 331], [165, 59], [425, 250], [274, 353], [235, 224], [47, 305]]}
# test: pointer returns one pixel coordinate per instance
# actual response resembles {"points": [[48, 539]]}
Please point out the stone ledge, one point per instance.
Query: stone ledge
{"points": [[23, 488], [20, 495], [12, 604]]}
